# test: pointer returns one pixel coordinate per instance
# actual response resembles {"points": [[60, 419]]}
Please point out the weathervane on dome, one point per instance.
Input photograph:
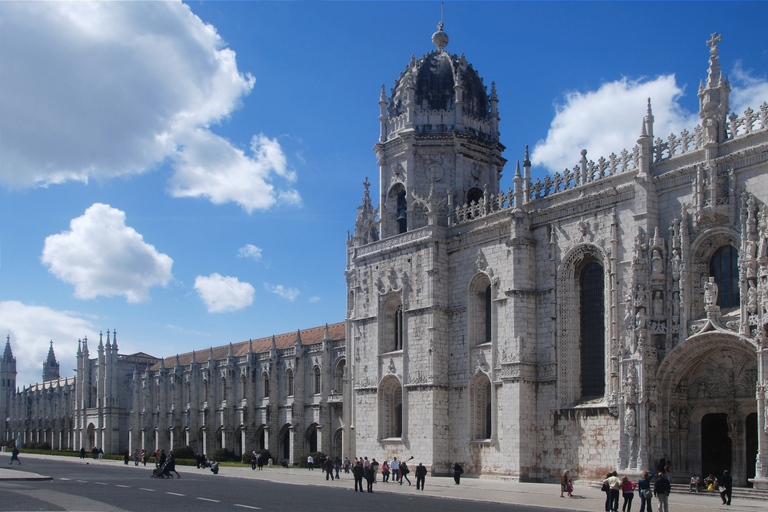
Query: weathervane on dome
{"points": [[440, 38]]}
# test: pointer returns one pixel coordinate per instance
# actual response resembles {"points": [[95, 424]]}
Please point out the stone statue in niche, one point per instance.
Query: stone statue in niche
{"points": [[628, 317], [658, 304], [751, 299], [672, 419], [652, 424], [392, 368], [630, 422], [684, 419], [710, 292], [640, 319], [676, 265], [656, 263]]}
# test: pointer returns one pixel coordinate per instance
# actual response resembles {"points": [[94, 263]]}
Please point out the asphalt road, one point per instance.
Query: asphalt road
{"points": [[109, 488]]}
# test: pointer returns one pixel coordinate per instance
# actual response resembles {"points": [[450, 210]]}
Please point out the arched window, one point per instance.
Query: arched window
{"points": [[318, 381], [266, 385], [724, 267], [480, 311], [398, 328], [223, 389], [392, 330], [592, 287], [338, 376], [481, 417], [402, 212], [289, 383], [391, 408]]}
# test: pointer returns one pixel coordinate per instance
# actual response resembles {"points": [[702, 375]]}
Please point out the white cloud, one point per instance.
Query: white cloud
{"points": [[211, 167], [100, 255], [314, 299], [286, 293], [102, 89], [224, 293], [609, 120], [747, 91], [32, 328], [249, 251]]}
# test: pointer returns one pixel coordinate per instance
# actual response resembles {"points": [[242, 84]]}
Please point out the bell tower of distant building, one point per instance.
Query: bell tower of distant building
{"points": [[50, 366], [7, 383]]}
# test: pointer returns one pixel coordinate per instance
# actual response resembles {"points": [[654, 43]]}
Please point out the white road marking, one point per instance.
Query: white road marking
{"points": [[123, 486], [145, 489], [208, 499], [100, 483], [82, 481], [175, 494], [246, 506], [64, 479]]}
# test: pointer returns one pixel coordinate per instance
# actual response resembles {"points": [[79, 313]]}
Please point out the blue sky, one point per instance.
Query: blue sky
{"points": [[187, 173]]}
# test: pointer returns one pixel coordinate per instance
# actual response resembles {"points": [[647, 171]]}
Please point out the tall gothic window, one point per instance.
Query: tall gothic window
{"points": [[318, 382], [289, 383], [398, 328], [592, 331], [339, 376], [390, 408], [724, 267], [266, 385], [481, 414], [480, 309]]}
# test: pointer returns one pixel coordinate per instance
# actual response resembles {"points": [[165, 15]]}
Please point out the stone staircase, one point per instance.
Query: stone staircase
{"points": [[738, 492]]}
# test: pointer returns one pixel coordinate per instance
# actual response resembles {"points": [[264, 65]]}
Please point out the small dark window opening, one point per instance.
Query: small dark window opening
{"points": [[488, 410], [592, 332], [488, 305], [402, 212], [724, 267], [398, 420], [399, 328]]}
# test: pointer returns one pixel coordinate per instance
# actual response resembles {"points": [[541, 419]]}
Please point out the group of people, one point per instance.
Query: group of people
{"points": [[724, 486], [362, 468]]}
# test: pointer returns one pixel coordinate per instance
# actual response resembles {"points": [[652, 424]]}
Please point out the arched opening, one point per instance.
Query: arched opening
{"points": [[724, 267], [91, 437], [285, 441], [261, 436], [289, 383], [481, 419], [265, 380], [337, 446], [238, 448], [480, 310], [392, 326], [338, 376], [592, 301], [312, 438], [317, 380], [715, 444], [391, 408], [751, 446]]}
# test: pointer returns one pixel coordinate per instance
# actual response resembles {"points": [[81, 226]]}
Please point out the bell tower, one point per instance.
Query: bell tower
{"points": [[7, 383], [50, 366], [438, 138]]}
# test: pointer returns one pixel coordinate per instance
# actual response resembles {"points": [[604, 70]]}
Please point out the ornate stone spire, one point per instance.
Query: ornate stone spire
{"points": [[8, 354], [440, 38]]}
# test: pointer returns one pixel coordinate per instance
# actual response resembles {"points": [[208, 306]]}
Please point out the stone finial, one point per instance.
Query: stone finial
{"points": [[440, 38]]}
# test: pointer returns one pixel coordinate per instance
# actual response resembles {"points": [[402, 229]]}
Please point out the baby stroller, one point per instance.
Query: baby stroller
{"points": [[162, 471]]}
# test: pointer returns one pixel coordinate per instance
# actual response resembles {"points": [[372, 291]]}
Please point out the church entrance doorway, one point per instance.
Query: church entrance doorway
{"points": [[715, 444], [751, 431]]}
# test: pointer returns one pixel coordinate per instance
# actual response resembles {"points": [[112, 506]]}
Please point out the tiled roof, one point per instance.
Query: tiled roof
{"points": [[310, 336]]}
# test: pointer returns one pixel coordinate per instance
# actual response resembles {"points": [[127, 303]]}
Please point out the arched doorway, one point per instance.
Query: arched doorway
{"points": [[312, 438], [716, 452], [91, 436], [752, 446], [287, 445]]}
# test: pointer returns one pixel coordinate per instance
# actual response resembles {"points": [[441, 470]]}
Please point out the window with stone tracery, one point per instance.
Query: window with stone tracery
{"points": [[724, 267], [289, 383], [480, 310], [390, 408], [265, 379], [481, 414], [592, 299], [392, 331], [318, 381]]}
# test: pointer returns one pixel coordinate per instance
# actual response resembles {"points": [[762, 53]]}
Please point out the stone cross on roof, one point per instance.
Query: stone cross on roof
{"points": [[716, 38]]}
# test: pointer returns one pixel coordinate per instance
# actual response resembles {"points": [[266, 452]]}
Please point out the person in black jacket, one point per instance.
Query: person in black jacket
{"points": [[661, 490], [457, 471], [726, 486], [357, 473], [421, 474], [370, 476]]}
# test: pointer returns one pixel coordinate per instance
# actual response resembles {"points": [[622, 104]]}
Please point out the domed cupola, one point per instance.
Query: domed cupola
{"points": [[439, 93]]}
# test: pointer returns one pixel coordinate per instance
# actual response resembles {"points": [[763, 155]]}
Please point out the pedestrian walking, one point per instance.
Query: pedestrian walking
{"points": [[726, 487], [374, 468], [171, 465], [15, 455], [310, 463], [385, 472], [328, 468], [357, 474], [404, 472], [346, 465], [136, 457], [661, 490], [260, 461], [565, 483], [369, 479], [421, 475], [457, 471], [82, 452], [394, 467], [644, 489], [254, 460], [144, 457], [337, 466]]}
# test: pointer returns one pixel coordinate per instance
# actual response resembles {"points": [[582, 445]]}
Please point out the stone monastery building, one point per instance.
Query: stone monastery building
{"points": [[602, 318]]}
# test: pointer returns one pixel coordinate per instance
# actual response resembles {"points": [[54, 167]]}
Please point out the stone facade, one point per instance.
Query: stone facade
{"points": [[602, 318], [281, 393]]}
